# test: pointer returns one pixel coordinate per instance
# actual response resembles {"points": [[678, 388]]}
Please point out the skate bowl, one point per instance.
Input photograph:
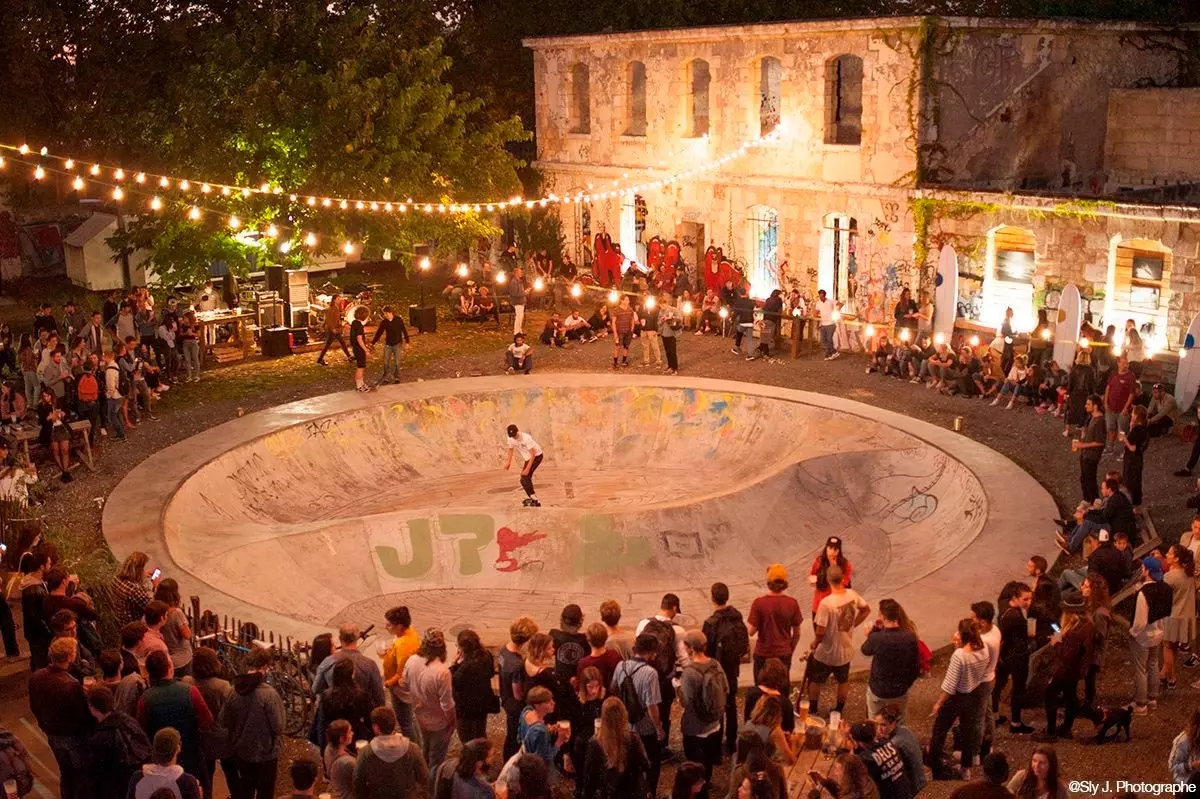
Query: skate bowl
{"points": [[337, 508]]}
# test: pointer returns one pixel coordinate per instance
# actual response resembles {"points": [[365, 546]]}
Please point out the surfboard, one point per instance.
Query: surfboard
{"points": [[1066, 331], [1187, 379], [945, 293]]}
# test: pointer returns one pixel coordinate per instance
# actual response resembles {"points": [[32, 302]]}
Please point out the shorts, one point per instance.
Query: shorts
{"points": [[624, 339], [59, 432], [360, 358], [820, 673], [1114, 421]]}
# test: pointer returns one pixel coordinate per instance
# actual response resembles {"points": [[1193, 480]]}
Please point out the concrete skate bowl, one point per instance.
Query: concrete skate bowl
{"points": [[337, 508]]}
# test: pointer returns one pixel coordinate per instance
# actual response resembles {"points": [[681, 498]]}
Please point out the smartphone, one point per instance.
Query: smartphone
{"points": [[1055, 627], [158, 573]]}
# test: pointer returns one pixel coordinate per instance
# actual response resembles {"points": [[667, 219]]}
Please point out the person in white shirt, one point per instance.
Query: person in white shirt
{"points": [[832, 648], [984, 614], [519, 355], [967, 671], [531, 454], [826, 310], [1146, 637]]}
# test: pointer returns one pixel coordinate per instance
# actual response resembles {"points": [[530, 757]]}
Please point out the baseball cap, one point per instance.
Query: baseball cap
{"points": [[1153, 567], [776, 571], [833, 541], [1103, 536]]}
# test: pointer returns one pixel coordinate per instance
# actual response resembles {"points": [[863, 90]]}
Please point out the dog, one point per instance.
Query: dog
{"points": [[1115, 720]]}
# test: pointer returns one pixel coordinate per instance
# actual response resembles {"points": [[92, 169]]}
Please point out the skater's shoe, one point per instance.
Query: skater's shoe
{"points": [[526, 502], [533, 503]]}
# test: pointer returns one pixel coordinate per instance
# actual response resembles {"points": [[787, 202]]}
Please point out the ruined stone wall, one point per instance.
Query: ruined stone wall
{"points": [[1153, 137], [1017, 107]]}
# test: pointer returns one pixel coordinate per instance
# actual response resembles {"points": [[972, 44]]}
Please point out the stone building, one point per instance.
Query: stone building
{"points": [[1045, 152]]}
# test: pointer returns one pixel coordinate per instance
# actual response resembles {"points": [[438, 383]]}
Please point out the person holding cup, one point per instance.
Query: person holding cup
{"points": [[535, 735]]}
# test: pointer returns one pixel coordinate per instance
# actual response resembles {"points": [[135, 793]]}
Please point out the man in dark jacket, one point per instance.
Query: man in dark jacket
{"points": [[33, 615], [728, 643], [170, 703], [117, 747], [1109, 563], [57, 701], [254, 717], [743, 319], [1114, 515], [395, 334], [895, 660]]}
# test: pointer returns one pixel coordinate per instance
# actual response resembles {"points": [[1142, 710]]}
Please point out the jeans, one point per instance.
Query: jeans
{"points": [[1145, 671], [671, 348], [524, 365], [330, 337], [1071, 579], [1018, 668], [253, 780], [91, 412], [1066, 689], [654, 749], [705, 750], [71, 753], [746, 334], [651, 345], [518, 318], [827, 338], [115, 421], [732, 671], [391, 361], [965, 709], [191, 357], [1081, 532], [404, 718], [434, 745], [33, 385], [876, 704]]}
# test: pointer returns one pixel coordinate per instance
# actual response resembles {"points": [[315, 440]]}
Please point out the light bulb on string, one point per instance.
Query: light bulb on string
{"points": [[39, 173], [23, 149], [501, 278], [225, 191], [156, 204], [292, 197], [576, 290], [140, 177], [184, 185], [163, 182], [194, 213], [650, 303], [462, 270], [119, 174], [78, 183], [234, 222], [95, 170], [272, 231], [44, 151], [326, 202], [246, 192], [374, 206], [285, 247], [348, 248], [343, 205], [614, 297], [205, 188], [1, 162], [311, 201], [310, 240], [118, 193], [358, 206], [265, 188], [70, 163]]}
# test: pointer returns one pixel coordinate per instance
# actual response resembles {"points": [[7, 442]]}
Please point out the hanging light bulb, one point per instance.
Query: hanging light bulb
{"points": [[939, 338], [272, 231], [974, 342], [78, 183], [650, 303], [23, 149], [1, 162], [39, 173], [166, 184], [311, 200], [234, 222], [140, 177], [184, 185], [687, 307], [614, 297], [265, 188], [205, 188], [119, 174], [194, 213], [343, 205], [870, 330], [226, 191], [501, 278], [118, 194], [358, 206], [44, 151], [310, 240], [539, 284], [155, 204], [348, 248], [326, 202], [70, 163], [462, 270], [374, 206], [285, 247], [576, 290], [292, 198]]}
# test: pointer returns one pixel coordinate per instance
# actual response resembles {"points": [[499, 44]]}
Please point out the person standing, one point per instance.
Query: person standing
{"points": [[390, 766], [649, 319], [57, 701], [837, 616], [1075, 643], [570, 644], [728, 643], [1151, 610], [827, 323], [178, 705], [335, 322], [189, 338], [1016, 637], [895, 660], [984, 614], [471, 679], [957, 701], [517, 296], [775, 618], [404, 646], [254, 717], [622, 321], [395, 334], [117, 746], [743, 318], [636, 685], [163, 772], [358, 342], [1119, 394], [366, 672], [531, 454], [1134, 444], [428, 681], [34, 621], [670, 328], [703, 691], [671, 655], [113, 396], [1091, 448]]}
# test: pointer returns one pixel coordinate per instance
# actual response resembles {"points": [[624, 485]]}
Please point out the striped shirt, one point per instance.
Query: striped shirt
{"points": [[968, 670]]}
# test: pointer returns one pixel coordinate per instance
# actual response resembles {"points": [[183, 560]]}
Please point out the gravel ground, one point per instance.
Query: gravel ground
{"points": [[1034, 442]]}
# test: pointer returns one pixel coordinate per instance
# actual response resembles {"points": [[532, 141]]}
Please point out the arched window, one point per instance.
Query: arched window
{"points": [[698, 82], [1139, 287], [636, 99], [843, 100], [1008, 276], [763, 223], [579, 110], [770, 75]]}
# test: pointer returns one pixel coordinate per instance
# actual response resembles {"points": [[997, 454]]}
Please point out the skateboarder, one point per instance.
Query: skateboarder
{"points": [[531, 453]]}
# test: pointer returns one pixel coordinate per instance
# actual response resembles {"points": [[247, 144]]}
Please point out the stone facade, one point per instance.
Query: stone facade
{"points": [[947, 106], [1153, 137]]}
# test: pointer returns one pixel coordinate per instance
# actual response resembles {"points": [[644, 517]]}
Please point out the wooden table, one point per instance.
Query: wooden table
{"points": [[800, 324], [29, 432], [239, 318]]}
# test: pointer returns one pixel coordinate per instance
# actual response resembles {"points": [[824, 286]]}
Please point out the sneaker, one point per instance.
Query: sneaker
{"points": [[868, 368], [104, 432], [736, 351], [526, 502], [319, 363], [509, 370], [995, 402], [1008, 407], [1066, 432], [1192, 662], [1183, 472], [915, 380], [1140, 710], [1152, 704], [1170, 685], [835, 356], [751, 357]]}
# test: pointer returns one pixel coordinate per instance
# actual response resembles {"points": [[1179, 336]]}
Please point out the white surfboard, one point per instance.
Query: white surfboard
{"points": [[1066, 332], [945, 294], [1187, 379]]}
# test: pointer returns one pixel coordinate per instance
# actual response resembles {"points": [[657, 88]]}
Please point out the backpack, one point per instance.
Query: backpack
{"points": [[14, 763], [664, 633], [86, 388], [731, 638], [122, 379], [709, 704], [924, 658], [132, 745], [628, 694], [1158, 601]]}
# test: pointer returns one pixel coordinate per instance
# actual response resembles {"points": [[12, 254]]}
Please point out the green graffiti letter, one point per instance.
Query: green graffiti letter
{"points": [[421, 540], [602, 551], [478, 529]]}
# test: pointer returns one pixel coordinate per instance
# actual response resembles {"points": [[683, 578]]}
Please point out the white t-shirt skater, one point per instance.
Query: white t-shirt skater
{"points": [[525, 446], [826, 308]]}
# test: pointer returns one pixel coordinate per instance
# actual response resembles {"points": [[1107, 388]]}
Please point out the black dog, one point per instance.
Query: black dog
{"points": [[1115, 720]]}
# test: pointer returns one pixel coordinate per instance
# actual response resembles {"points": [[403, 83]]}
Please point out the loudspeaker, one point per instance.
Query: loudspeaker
{"points": [[423, 319], [276, 341], [274, 278]]}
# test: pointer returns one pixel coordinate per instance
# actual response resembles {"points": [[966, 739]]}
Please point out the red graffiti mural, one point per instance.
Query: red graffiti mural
{"points": [[509, 542]]}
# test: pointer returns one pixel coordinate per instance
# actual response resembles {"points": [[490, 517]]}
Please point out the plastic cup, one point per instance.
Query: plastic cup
{"points": [[565, 726], [803, 706], [1031, 627], [10, 789]]}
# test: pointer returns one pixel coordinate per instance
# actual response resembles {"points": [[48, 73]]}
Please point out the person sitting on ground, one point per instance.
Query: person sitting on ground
{"points": [[1161, 412], [554, 334], [1012, 383], [163, 771], [468, 304], [936, 368], [882, 356], [519, 355], [599, 321], [967, 376], [577, 328]]}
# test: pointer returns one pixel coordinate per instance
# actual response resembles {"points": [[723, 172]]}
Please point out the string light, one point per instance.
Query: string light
{"points": [[576, 290], [310, 240], [234, 222], [285, 247], [184, 185], [166, 184], [156, 204], [205, 188], [462, 270], [118, 194], [44, 151], [614, 297], [23, 149], [140, 177], [939, 338], [650, 303], [501, 278], [272, 231], [95, 170], [69, 165], [348, 248], [225, 191], [194, 213], [39, 173], [78, 183], [974, 341], [119, 174]]}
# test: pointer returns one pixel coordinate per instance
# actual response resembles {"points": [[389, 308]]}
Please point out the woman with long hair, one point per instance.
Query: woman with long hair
{"points": [[1041, 779], [591, 694], [818, 574], [27, 358], [132, 589], [469, 782], [766, 721], [54, 433], [1081, 384], [540, 670], [1136, 441], [751, 759], [13, 405], [208, 675], [1075, 641], [849, 779], [339, 763], [616, 766], [471, 678], [1180, 627], [1185, 751], [689, 781], [175, 632], [1013, 382], [343, 699], [1099, 611], [967, 670], [772, 680]]}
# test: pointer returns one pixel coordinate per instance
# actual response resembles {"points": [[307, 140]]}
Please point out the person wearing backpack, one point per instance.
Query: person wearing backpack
{"points": [[117, 747], [1146, 634], [113, 397], [14, 763], [671, 655], [703, 690], [636, 683], [728, 644]]}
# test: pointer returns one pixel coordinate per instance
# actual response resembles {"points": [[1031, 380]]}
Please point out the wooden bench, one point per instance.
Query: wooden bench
{"points": [[28, 433]]}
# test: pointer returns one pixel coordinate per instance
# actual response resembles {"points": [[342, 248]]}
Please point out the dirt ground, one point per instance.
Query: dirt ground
{"points": [[1034, 442]]}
